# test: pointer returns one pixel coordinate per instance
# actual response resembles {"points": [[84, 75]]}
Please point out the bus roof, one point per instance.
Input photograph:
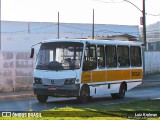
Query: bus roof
{"points": [[97, 42]]}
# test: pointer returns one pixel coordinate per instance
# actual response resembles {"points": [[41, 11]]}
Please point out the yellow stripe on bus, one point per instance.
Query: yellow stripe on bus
{"points": [[98, 76], [111, 75], [136, 74], [86, 77]]}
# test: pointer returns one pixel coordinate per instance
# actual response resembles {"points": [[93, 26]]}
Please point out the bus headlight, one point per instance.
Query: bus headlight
{"points": [[69, 81], [77, 80], [37, 80]]}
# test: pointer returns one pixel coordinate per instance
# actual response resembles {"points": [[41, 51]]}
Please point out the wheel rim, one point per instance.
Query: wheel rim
{"points": [[122, 91], [42, 98], [84, 96]]}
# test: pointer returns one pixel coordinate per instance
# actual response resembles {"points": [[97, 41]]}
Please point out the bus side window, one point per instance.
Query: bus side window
{"points": [[123, 56], [111, 56], [90, 58], [135, 54], [101, 56]]}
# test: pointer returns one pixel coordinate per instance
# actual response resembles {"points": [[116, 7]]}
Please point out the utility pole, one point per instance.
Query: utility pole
{"points": [[58, 27], [144, 25], [0, 36], [93, 26], [144, 34], [143, 20], [29, 28]]}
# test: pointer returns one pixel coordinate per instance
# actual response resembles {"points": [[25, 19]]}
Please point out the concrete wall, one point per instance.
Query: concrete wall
{"points": [[70, 30], [16, 71], [152, 62], [22, 42], [20, 36]]}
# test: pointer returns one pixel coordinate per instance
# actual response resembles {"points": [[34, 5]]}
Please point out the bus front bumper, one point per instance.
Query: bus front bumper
{"points": [[57, 91]]}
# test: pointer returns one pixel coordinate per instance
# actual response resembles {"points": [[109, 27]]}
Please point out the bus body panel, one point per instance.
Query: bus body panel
{"points": [[133, 84], [48, 74], [99, 76], [101, 81], [53, 83], [86, 77], [137, 73], [114, 75], [111, 75], [103, 89]]}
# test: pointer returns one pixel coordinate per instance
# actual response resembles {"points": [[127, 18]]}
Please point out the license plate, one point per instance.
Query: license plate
{"points": [[52, 88]]}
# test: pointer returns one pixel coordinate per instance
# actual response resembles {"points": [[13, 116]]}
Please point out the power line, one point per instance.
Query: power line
{"points": [[152, 31], [155, 15], [132, 4], [30, 29], [106, 2], [122, 33], [43, 27], [75, 27], [97, 31], [102, 31], [140, 9]]}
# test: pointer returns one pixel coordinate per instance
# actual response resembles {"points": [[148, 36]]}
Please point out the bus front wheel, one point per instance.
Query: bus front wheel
{"points": [[42, 98], [121, 93], [84, 95]]}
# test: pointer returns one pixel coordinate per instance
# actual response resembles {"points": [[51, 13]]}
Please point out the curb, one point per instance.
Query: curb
{"points": [[147, 84], [144, 84], [16, 96]]}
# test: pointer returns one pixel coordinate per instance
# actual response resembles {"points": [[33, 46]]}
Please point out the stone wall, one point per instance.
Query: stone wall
{"points": [[16, 71]]}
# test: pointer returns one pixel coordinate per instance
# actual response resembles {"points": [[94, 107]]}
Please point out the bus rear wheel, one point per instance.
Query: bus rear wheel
{"points": [[42, 98], [121, 93], [84, 95]]}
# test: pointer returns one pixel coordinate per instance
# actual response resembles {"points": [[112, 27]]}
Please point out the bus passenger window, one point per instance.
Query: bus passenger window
{"points": [[90, 58], [123, 56], [111, 56], [101, 56], [135, 54]]}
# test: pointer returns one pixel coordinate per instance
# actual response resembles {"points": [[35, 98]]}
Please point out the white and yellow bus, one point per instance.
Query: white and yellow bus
{"points": [[87, 68]]}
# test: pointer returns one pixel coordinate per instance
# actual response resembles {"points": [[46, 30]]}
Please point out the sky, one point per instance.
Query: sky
{"points": [[80, 11]]}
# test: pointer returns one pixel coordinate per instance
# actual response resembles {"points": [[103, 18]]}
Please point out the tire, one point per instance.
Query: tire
{"points": [[84, 95], [42, 98], [121, 93], [115, 96]]}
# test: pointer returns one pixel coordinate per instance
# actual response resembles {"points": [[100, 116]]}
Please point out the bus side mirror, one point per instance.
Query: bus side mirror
{"points": [[32, 53]]}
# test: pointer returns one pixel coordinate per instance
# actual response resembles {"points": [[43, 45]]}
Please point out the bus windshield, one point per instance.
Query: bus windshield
{"points": [[59, 56]]}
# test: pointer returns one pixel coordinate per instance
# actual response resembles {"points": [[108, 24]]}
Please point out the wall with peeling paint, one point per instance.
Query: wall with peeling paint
{"points": [[16, 71], [152, 62]]}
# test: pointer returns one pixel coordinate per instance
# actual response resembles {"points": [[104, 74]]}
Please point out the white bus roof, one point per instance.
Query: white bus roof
{"points": [[97, 42]]}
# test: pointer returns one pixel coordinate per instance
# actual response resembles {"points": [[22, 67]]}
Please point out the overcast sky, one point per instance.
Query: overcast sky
{"points": [[79, 11]]}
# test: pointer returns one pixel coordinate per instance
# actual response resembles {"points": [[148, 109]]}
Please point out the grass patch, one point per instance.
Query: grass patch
{"points": [[145, 105], [122, 111]]}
